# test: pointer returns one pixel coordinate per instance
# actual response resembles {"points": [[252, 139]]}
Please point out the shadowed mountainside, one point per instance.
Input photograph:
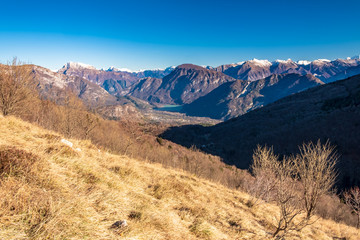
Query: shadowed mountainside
{"points": [[327, 112]]}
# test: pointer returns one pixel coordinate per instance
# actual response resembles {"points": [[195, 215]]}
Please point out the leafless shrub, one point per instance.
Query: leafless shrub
{"points": [[352, 199], [331, 207], [287, 197], [315, 168], [263, 185], [16, 87], [295, 184]]}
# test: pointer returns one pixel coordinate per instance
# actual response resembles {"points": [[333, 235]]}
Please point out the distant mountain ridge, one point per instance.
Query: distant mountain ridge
{"points": [[200, 88], [121, 79], [184, 84], [115, 81], [255, 69], [236, 98]]}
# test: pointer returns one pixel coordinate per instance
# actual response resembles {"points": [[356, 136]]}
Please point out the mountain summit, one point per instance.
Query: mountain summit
{"points": [[185, 84]]}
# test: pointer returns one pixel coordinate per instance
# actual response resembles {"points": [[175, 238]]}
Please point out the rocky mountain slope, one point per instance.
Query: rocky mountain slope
{"points": [[328, 112], [51, 82], [236, 98], [58, 188], [185, 84]]}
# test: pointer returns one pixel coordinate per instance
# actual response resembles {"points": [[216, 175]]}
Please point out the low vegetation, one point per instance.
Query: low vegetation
{"points": [[80, 192], [352, 199]]}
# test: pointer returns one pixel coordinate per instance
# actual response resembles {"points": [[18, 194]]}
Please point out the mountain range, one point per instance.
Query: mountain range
{"points": [[220, 93], [185, 84], [121, 81], [236, 98], [255, 69], [115, 81]]}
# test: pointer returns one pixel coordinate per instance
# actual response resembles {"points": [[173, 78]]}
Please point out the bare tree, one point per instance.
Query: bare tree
{"points": [[352, 199], [316, 172], [287, 197], [16, 87], [88, 123], [263, 169], [71, 112], [278, 186], [295, 184]]}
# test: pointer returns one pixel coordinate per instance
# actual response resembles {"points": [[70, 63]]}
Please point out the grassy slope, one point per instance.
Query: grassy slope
{"points": [[67, 194]]}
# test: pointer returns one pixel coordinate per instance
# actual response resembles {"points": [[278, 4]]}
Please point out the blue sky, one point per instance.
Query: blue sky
{"points": [[156, 34]]}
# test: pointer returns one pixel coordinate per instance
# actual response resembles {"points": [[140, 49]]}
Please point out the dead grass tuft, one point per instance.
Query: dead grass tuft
{"points": [[200, 229], [16, 162]]}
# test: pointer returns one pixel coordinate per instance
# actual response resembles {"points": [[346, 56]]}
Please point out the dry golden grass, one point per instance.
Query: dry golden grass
{"points": [[69, 194]]}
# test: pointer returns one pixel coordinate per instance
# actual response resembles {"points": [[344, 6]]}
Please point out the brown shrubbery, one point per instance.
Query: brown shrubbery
{"points": [[295, 183], [352, 199], [15, 162], [17, 89]]}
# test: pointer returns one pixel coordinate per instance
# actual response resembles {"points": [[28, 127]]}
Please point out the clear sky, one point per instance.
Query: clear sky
{"points": [[139, 34]]}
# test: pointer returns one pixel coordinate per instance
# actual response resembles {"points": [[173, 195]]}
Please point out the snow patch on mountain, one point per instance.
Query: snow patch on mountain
{"points": [[321, 61], [114, 69], [283, 61], [262, 63], [303, 62], [78, 65]]}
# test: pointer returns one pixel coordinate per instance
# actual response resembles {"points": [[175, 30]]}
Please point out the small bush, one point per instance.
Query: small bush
{"points": [[122, 171], [135, 215], [199, 229], [15, 162], [160, 140]]}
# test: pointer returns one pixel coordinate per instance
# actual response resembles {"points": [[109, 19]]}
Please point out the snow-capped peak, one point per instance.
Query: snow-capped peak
{"points": [[283, 61], [262, 63], [303, 62], [127, 70], [356, 57], [78, 65], [110, 69], [322, 60], [115, 69]]}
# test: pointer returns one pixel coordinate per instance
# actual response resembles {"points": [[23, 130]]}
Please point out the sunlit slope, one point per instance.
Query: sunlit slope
{"points": [[50, 190]]}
